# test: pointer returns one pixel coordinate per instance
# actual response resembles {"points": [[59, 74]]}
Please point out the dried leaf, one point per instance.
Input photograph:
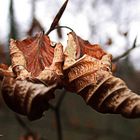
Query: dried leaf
{"points": [[27, 98], [37, 70], [83, 68], [4, 66], [90, 76], [5, 72], [84, 47], [36, 52]]}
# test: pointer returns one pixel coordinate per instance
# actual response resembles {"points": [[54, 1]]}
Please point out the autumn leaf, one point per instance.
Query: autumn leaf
{"points": [[37, 51], [84, 47], [26, 97], [90, 76], [35, 73]]}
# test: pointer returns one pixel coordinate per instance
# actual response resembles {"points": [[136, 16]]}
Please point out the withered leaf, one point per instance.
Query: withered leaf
{"points": [[86, 69], [5, 72], [37, 51], [90, 76], [35, 72], [84, 47], [26, 97]]}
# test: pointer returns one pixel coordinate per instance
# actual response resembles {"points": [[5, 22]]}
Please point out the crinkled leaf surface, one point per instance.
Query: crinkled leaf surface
{"points": [[37, 52], [84, 47]]}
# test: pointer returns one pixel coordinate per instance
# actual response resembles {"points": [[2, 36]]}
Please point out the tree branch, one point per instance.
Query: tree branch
{"points": [[58, 123], [23, 124], [127, 52], [26, 127], [57, 17], [56, 110]]}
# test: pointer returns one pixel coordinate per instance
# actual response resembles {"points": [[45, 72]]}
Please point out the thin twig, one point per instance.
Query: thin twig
{"points": [[127, 52], [56, 110], [58, 105], [59, 27], [57, 17], [57, 115], [23, 124], [26, 127], [58, 123], [59, 102]]}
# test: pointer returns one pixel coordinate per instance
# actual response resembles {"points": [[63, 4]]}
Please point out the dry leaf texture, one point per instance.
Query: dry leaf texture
{"points": [[90, 76], [34, 74], [37, 70], [27, 98]]}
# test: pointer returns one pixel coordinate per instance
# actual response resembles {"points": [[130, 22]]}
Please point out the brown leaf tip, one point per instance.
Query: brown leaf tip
{"points": [[84, 47]]}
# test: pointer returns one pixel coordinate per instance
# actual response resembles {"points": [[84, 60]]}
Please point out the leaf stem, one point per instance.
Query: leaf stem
{"points": [[59, 27]]}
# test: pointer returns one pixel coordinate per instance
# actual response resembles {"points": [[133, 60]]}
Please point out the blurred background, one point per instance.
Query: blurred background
{"points": [[112, 23]]}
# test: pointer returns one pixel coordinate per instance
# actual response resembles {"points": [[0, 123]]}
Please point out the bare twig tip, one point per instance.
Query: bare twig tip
{"points": [[126, 52], [57, 17]]}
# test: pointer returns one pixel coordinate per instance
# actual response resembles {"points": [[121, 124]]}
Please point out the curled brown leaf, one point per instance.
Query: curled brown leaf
{"points": [[36, 70], [36, 53], [90, 76]]}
